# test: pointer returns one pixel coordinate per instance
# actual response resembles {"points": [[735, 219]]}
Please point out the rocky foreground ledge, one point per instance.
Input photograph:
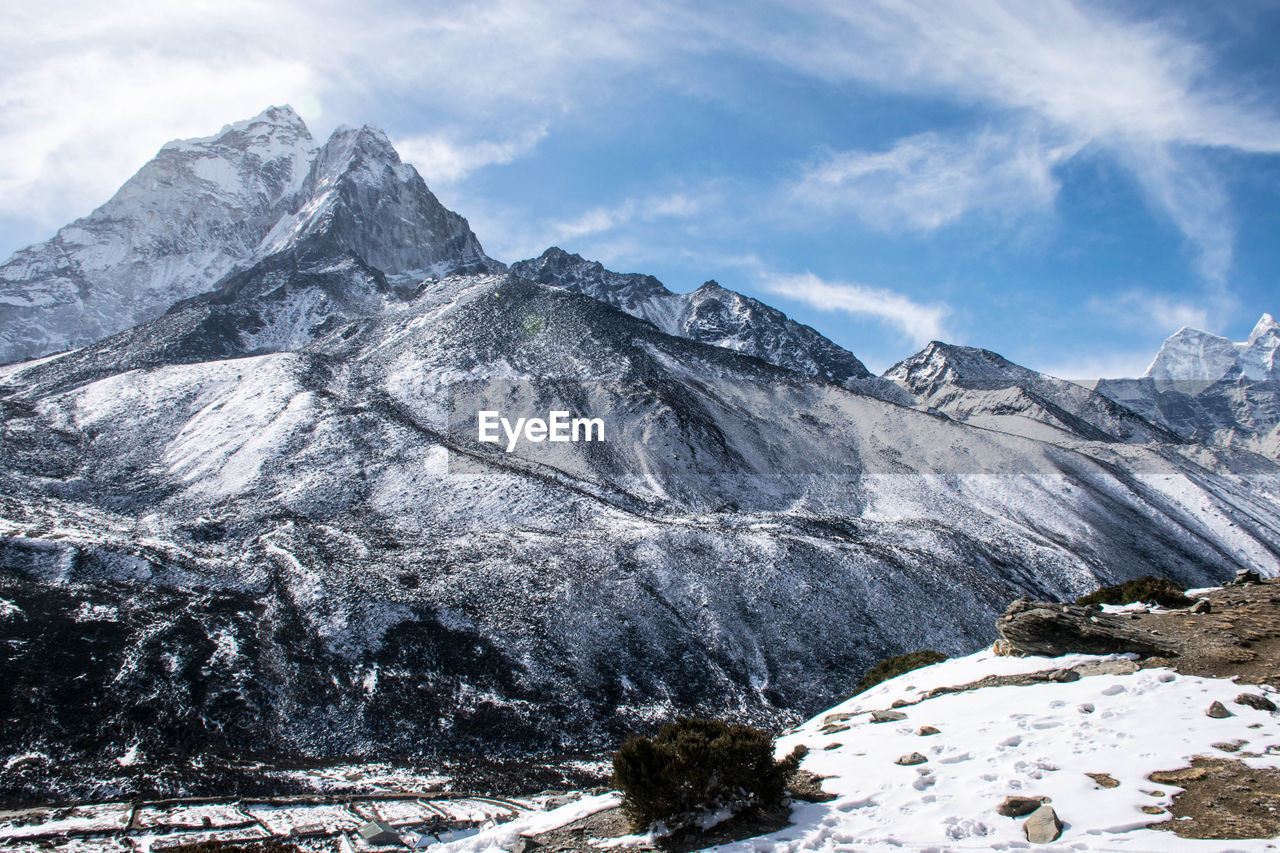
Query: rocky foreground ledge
{"points": [[1231, 632]]}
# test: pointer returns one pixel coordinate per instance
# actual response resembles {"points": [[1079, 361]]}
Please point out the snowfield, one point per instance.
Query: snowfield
{"points": [[1023, 740]]}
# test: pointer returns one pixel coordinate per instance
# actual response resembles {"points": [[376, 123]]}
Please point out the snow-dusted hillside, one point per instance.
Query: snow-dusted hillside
{"points": [[311, 550], [1044, 740], [936, 778], [711, 315]]}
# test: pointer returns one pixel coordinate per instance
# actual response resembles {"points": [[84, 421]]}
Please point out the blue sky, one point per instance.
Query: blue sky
{"points": [[1066, 183]]}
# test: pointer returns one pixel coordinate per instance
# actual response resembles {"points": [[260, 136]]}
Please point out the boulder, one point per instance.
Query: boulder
{"points": [[1044, 628], [911, 759], [1218, 711], [925, 731], [1019, 806], [1043, 826], [1256, 701], [887, 716]]}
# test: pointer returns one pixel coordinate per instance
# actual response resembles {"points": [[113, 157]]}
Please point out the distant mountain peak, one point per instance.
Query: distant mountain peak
{"points": [[1194, 355], [1266, 327], [271, 122], [712, 314], [984, 388]]}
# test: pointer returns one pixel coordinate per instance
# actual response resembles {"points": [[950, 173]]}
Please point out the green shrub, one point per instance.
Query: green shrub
{"points": [[1148, 590], [890, 667], [692, 765]]}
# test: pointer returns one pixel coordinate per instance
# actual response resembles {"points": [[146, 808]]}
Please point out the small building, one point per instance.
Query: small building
{"points": [[378, 832]]}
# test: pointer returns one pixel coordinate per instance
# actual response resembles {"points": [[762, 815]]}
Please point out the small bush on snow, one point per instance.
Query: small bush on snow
{"points": [[692, 766], [1147, 590]]}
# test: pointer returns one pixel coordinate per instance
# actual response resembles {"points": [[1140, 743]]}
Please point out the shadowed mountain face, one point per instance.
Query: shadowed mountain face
{"points": [[264, 521]]}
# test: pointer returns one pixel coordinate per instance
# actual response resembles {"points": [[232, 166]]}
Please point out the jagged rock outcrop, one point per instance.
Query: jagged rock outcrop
{"points": [[1030, 627]]}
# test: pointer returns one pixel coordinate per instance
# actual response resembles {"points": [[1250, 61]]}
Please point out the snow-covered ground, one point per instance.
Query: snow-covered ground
{"points": [[1037, 740], [1026, 740]]}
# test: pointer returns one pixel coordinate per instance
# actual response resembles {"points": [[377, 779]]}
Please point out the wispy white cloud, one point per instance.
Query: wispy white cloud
{"points": [[675, 205], [445, 158], [918, 322], [1152, 312], [1082, 74], [1087, 369], [89, 92], [927, 181], [609, 233]]}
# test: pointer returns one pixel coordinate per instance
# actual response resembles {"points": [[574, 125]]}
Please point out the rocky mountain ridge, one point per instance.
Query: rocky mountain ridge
{"points": [[711, 314]]}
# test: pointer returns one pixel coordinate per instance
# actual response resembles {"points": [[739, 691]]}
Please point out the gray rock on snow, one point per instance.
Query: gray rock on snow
{"points": [[1043, 826]]}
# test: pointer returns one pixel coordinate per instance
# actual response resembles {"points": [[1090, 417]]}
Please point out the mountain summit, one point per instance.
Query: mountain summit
{"points": [[205, 207], [171, 231], [1191, 355], [359, 197], [1211, 390]]}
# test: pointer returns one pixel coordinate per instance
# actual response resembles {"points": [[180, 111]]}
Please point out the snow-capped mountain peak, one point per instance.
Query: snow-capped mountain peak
{"points": [[1192, 355], [172, 230], [1267, 327], [983, 388]]}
